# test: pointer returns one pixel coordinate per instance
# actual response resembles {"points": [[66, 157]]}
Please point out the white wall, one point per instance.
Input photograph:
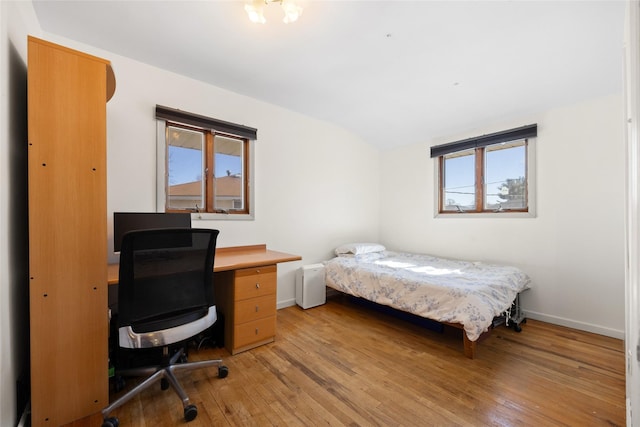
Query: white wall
{"points": [[316, 184], [17, 19], [573, 250], [7, 365]]}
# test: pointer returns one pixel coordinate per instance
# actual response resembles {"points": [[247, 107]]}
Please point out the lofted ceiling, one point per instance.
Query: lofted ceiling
{"points": [[393, 72]]}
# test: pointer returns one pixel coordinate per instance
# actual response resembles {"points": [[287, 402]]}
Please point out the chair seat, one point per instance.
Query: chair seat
{"points": [[169, 320], [129, 338]]}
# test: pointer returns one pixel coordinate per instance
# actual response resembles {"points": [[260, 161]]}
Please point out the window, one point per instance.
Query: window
{"points": [[185, 163], [201, 168], [489, 174]]}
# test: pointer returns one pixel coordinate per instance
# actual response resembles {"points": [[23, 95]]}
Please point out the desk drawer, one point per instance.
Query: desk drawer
{"points": [[255, 331], [255, 282], [255, 308]]}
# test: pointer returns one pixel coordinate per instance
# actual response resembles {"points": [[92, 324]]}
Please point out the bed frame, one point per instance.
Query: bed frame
{"points": [[513, 318], [470, 347]]}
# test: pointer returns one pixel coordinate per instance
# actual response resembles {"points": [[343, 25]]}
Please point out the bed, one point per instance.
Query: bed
{"points": [[463, 294]]}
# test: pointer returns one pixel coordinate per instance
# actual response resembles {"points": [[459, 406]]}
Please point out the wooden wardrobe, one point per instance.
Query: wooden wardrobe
{"points": [[67, 95]]}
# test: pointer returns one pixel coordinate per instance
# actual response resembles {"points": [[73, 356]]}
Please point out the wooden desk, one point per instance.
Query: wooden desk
{"points": [[245, 284]]}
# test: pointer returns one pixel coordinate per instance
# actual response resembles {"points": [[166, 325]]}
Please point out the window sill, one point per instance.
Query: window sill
{"points": [[210, 216], [468, 215]]}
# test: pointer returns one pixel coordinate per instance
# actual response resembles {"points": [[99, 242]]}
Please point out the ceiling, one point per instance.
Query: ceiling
{"points": [[393, 72]]}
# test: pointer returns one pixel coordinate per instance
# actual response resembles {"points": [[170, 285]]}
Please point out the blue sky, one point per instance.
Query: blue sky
{"points": [[185, 165], [500, 165]]}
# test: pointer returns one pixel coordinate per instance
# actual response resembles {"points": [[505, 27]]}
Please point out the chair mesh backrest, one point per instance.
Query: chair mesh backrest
{"points": [[166, 277]]}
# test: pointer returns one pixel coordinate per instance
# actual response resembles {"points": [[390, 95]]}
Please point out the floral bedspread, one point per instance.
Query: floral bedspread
{"points": [[469, 293]]}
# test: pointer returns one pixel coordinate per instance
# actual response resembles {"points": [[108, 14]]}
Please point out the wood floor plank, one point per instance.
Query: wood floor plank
{"points": [[344, 364]]}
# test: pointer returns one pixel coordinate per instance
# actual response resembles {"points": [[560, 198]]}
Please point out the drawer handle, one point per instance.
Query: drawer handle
{"points": [[256, 331], [257, 308], [257, 285]]}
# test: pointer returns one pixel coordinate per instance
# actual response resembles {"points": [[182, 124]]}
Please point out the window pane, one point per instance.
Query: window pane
{"points": [[505, 184], [229, 173], [459, 182], [185, 166]]}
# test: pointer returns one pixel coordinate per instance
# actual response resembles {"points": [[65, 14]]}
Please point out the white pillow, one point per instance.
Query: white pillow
{"points": [[359, 248]]}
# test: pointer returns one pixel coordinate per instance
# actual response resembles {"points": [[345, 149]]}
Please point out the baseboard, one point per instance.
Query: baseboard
{"points": [[286, 303], [582, 326]]}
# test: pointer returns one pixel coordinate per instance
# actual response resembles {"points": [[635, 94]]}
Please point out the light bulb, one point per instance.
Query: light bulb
{"points": [[291, 11], [255, 11]]}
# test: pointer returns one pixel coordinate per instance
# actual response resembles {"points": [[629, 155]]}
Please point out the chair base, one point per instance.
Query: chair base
{"points": [[166, 374]]}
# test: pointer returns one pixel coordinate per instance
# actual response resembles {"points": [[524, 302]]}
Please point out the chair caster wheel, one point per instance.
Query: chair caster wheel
{"points": [[190, 412], [164, 384], [517, 327], [110, 422], [223, 371]]}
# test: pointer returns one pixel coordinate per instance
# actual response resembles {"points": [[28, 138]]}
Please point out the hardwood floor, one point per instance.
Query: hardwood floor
{"points": [[346, 364]]}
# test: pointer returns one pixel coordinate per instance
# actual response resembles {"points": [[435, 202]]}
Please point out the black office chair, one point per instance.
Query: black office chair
{"points": [[165, 296]]}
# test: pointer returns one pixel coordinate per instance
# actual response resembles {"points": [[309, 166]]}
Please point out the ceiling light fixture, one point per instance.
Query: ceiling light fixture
{"points": [[255, 10]]}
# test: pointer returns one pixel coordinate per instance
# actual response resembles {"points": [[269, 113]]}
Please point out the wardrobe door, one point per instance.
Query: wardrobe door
{"points": [[67, 98]]}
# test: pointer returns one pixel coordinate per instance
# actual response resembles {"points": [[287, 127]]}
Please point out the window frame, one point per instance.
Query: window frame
{"points": [[209, 213], [529, 212]]}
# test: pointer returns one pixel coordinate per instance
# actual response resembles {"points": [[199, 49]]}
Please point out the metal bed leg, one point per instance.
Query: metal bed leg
{"points": [[513, 317]]}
